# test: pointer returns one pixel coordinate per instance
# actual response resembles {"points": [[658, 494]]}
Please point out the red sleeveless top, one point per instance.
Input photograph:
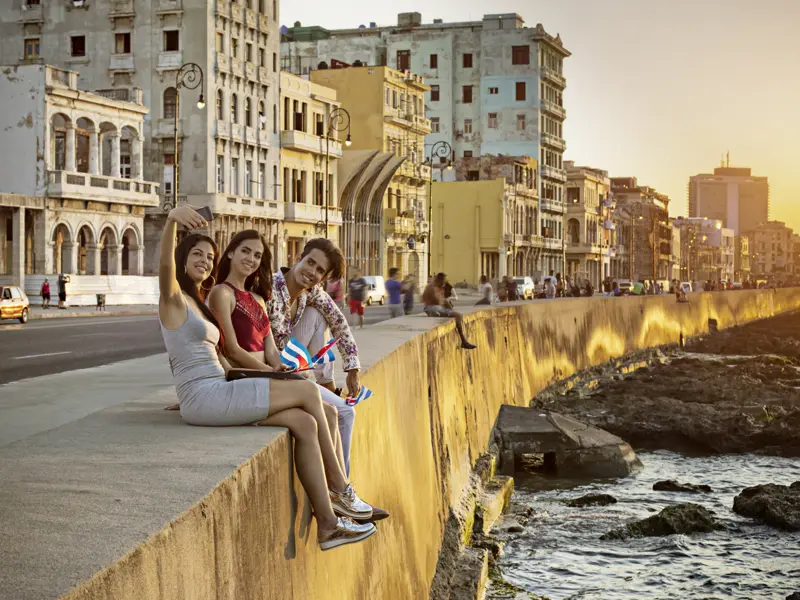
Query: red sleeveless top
{"points": [[250, 321]]}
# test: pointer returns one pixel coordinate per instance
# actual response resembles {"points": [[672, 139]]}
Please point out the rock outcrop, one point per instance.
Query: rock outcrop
{"points": [[775, 505], [680, 518], [592, 500], [670, 485]]}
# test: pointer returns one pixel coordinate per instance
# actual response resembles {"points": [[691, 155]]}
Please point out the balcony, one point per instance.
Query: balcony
{"points": [[250, 70], [121, 9], [263, 22], [521, 240], [237, 68], [550, 243], [60, 78], [31, 13], [169, 60], [553, 173], [263, 75], [250, 18], [101, 188], [299, 212], [237, 12], [553, 76], [536, 240], [121, 62], [306, 142], [223, 8], [554, 109], [122, 94], [400, 226], [551, 205], [223, 129], [548, 139], [421, 124], [227, 204], [223, 62], [586, 248]]}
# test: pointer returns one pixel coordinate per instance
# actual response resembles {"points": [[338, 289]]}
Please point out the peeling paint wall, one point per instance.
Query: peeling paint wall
{"points": [[22, 129]]}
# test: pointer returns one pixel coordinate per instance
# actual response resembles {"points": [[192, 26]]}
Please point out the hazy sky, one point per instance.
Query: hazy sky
{"points": [[658, 89]]}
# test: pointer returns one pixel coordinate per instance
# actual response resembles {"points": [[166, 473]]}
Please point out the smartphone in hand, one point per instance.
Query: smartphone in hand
{"points": [[205, 212]]}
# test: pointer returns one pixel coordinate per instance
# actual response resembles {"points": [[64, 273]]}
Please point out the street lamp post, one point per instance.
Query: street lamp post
{"points": [[440, 149], [338, 120], [190, 76]]}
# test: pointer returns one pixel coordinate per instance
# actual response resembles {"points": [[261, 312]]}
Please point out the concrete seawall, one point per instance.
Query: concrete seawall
{"points": [[415, 444]]}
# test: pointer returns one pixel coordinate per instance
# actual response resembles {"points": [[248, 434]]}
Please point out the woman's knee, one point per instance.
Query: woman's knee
{"points": [[302, 425]]}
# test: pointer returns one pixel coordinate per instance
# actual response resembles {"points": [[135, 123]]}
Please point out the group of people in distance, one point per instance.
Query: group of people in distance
{"points": [[225, 318]]}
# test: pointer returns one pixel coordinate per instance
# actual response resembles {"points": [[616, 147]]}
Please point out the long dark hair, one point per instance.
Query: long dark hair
{"points": [[260, 281], [194, 291]]}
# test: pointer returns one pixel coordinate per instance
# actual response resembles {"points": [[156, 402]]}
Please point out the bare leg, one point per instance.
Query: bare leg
{"points": [[332, 415], [460, 327], [307, 461], [285, 394]]}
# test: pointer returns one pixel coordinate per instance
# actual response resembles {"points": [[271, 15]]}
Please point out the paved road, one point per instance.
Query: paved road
{"points": [[51, 346]]}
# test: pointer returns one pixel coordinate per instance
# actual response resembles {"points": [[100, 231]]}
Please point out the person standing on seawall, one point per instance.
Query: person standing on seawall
{"points": [[45, 293], [63, 280], [199, 367], [395, 288]]}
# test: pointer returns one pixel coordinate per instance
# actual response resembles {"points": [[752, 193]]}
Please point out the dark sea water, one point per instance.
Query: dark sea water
{"points": [[561, 556]]}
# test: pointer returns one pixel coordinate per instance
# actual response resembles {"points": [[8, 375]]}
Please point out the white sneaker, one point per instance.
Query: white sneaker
{"points": [[346, 532], [348, 504]]}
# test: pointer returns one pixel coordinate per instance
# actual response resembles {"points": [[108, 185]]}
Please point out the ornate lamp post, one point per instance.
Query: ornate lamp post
{"points": [[190, 76], [338, 120], [440, 150]]}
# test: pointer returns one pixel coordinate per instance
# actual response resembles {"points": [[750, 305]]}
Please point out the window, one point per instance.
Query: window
{"points": [[388, 97], [493, 91], [248, 178], [394, 98], [492, 120], [170, 102], [521, 91], [275, 9], [434, 93], [220, 174], [171, 41], [248, 113], [235, 47], [248, 52], [32, 48], [32, 2], [234, 109], [466, 94], [262, 117], [435, 125], [122, 43], [274, 118], [235, 176], [434, 61], [473, 175], [467, 125], [520, 122], [404, 60], [520, 55], [467, 153], [262, 181], [220, 108], [466, 61], [220, 42], [274, 62], [78, 45], [262, 58]]}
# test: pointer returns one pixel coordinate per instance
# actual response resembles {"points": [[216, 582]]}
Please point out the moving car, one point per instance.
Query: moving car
{"points": [[376, 290], [525, 287], [14, 304]]}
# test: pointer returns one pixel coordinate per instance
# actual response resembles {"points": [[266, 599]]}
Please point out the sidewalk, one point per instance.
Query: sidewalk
{"points": [[36, 311]]}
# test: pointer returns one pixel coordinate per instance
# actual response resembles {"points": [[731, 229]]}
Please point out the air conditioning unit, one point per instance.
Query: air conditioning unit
{"points": [[78, 3]]}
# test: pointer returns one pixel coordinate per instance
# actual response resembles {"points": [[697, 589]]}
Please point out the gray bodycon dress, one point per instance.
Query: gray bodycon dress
{"points": [[205, 397]]}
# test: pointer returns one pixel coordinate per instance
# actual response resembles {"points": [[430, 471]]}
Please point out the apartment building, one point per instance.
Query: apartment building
{"points": [[651, 235], [733, 195], [771, 248], [386, 112], [708, 249], [311, 148], [497, 88], [73, 191], [741, 258], [226, 111], [589, 239]]}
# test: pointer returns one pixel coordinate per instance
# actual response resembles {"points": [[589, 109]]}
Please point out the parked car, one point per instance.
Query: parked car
{"points": [[625, 286], [525, 288], [376, 289], [687, 287], [14, 304]]}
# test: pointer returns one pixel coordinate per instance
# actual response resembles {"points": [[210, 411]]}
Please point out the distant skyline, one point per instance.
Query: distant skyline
{"points": [[656, 90]]}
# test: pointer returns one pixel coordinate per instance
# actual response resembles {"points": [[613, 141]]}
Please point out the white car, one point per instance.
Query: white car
{"points": [[525, 287], [686, 287], [376, 290]]}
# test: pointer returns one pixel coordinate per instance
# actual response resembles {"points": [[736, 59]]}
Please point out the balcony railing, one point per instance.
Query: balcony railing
{"points": [[122, 94], [121, 8], [311, 213], [306, 142], [554, 76], [62, 78], [553, 108], [553, 173], [400, 225], [101, 188], [551, 205], [548, 139]]}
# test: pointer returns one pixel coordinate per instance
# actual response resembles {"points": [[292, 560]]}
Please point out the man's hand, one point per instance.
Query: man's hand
{"points": [[353, 383]]}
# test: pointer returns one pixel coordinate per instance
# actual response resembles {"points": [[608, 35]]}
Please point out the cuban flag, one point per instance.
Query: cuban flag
{"points": [[362, 395], [296, 356], [325, 354]]}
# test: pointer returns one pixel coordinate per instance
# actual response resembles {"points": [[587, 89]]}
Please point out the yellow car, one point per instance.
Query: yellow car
{"points": [[14, 304]]}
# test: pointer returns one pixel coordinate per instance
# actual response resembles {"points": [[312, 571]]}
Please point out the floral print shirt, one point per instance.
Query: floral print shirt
{"points": [[279, 309]]}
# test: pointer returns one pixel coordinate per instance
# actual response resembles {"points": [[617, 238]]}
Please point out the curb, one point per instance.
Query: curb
{"points": [[119, 313]]}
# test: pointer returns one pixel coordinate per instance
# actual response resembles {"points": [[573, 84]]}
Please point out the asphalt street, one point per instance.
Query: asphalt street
{"points": [[48, 346]]}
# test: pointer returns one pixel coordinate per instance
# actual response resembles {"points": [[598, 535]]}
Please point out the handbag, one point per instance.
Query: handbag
{"points": [[236, 374]]}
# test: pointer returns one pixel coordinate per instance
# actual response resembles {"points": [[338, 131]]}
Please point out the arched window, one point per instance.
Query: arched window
{"points": [[262, 116], [248, 113], [220, 107], [234, 109], [170, 102]]}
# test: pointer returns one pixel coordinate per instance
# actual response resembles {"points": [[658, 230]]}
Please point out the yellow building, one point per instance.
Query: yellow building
{"points": [[306, 155], [477, 230], [387, 113]]}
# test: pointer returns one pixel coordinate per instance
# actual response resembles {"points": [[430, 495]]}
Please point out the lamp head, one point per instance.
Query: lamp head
{"points": [[201, 102], [348, 141]]}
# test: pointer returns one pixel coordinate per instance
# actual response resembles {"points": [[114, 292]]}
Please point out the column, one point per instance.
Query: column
{"points": [[69, 160], [18, 248], [137, 158], [94, 151], [93, 259], [501, 266], [114, 136], [115, 259], [70, 266]]}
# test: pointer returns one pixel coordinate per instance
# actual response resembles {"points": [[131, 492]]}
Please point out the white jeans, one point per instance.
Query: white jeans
{"points": [[312, 332]]}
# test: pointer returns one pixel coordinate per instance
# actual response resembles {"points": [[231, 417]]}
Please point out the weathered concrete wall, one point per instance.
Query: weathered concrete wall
{"points": [[415, 445]]}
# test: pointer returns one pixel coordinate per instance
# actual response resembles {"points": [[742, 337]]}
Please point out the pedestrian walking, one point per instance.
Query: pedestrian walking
{"points": [[409, 290], [512, 289], [356, 292], [335, 289], [63, 280], [395, 288], [487, 293], [45, 293], [549, 288]]}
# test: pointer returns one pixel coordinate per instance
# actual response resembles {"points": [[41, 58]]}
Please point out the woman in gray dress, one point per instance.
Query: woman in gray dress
{"points": [[192, 337]]}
